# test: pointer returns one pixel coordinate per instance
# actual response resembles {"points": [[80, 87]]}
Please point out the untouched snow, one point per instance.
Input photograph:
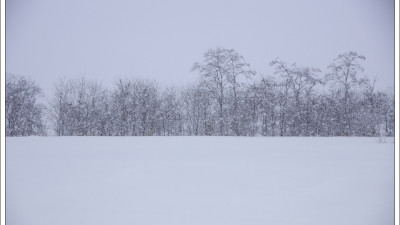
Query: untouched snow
{"points": [[199, 181]]}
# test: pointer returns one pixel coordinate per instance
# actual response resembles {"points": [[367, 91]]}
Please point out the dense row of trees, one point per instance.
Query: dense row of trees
{"points": [[227, 100]]}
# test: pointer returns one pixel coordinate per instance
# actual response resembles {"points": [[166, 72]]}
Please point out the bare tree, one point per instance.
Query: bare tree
{"points": [[344, 73], [197, 110], [23, 112], [135, 107], [170, 113], [221, 69], [80, 107], [300, 81]]}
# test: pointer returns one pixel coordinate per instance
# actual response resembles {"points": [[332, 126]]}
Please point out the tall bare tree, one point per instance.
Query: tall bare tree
{"points": [[344, 72], [221, 70]]}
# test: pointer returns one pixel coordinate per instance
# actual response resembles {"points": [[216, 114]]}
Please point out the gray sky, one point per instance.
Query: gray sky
{"points": [[160, 39]]}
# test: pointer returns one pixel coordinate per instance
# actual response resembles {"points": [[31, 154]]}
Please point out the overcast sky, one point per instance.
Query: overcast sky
{"points": [[160, 39]]}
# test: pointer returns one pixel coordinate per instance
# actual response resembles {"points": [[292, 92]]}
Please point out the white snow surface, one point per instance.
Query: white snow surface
{"points": [[199, 181]]}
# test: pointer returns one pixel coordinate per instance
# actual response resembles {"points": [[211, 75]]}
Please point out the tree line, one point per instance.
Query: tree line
{"points": [[225, 101]]}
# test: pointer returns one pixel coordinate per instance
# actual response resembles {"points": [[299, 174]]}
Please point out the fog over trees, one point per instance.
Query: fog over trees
{"points": [[226, 100]]}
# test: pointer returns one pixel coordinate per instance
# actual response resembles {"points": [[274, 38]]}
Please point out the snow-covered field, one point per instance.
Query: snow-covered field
{"points": [[199, 181]]}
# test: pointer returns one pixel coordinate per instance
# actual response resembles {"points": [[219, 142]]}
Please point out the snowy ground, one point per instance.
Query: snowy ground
{"points": [[199, 181]]}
